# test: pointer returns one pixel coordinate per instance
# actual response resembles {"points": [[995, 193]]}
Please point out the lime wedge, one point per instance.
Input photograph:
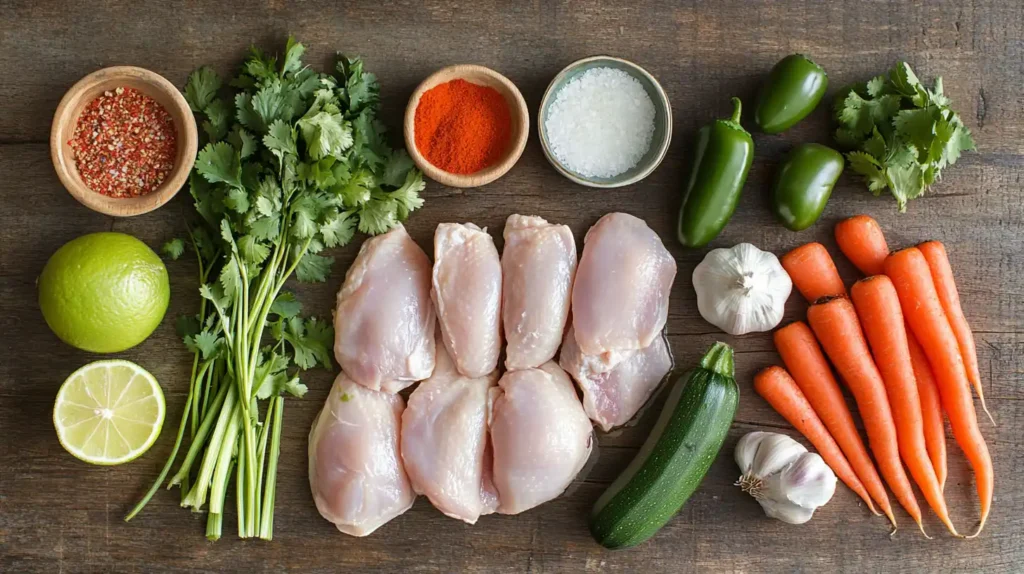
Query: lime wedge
{"points": [[109, 412]]}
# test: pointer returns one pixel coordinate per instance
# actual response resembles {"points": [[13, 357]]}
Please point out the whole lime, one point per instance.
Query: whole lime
{"points": [[104, 292]]}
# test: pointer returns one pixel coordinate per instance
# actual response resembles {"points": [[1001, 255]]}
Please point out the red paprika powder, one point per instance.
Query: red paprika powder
{"points": [[462, 127]]}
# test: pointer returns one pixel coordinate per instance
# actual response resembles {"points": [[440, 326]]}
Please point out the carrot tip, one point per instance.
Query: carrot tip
{"points": [[984, 407], [921, 526]]}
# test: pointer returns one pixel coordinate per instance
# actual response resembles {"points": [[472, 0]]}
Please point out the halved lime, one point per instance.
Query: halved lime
{"points": [[109, 412]]}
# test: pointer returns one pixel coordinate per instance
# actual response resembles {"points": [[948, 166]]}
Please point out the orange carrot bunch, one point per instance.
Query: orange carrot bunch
{"points": [[902, 345]]}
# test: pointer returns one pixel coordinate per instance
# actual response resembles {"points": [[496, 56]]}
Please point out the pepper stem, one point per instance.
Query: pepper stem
{"points": [[737, 110], [719, 360]]}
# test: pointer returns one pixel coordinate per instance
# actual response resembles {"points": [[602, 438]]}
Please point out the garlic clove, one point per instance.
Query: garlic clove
{"points": [[786, 511], [746, 449], [808, 481], [774, 452]]}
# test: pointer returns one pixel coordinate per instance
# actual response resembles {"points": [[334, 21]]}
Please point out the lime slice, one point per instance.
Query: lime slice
{"points": [[109, 412]]}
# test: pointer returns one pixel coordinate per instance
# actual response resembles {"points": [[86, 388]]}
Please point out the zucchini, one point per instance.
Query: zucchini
{"points": [[672, 462]]}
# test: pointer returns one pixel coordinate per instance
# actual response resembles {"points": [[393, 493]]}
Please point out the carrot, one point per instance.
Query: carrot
{"points": [[931, 408], [776, 386], [800, 352], [835, 323], [912, 278], [813, 272], [878, 308], [942, 275], [861, 240]]}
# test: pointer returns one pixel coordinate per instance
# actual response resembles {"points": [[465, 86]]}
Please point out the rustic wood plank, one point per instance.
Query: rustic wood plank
{"points": [[57, 514]]}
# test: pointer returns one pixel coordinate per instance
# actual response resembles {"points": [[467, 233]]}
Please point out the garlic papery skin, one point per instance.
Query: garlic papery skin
{"points": [[787, 481], [741, 289]]}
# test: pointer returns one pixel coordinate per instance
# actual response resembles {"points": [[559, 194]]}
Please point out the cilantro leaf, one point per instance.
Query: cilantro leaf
{"points": [[205, 343], [398, 165], [876, 86], [408, 196], [280, 140], [268, 228], [313, 268], [243, 141], [201, 88], [246, 114], [217, 120], [292, 57], [219, 162], [186, 325], [269, 104], [237, 199], [231, 278], [286, 305], [870, 168], [338, 230], [325, 134], [906, 182], [174, 248], [378, 215], [252, 250]]}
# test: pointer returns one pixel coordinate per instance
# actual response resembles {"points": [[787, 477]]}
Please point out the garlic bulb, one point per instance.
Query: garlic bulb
{"points": [[741, 289], [787, 481]]}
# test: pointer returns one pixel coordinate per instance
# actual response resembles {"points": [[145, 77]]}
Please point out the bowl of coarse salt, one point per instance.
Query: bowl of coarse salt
{"points": [[605, 122]]}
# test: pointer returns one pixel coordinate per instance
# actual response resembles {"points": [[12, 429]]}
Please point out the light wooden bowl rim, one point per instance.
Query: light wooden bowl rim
{"points": [[520, 118], [66, 117], [659, 98]]}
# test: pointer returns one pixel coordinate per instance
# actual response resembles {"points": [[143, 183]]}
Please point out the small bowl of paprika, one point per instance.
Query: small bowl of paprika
{"points": [[466, 125], [123, 141]]}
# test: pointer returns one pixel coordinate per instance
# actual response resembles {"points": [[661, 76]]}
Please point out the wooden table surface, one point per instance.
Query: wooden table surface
{"points": [[58, 514]]}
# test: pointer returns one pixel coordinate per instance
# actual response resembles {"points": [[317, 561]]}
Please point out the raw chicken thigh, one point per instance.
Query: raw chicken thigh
{"points": [[467, 294], [537, 266], [355, 469], [384, 322], [540, 435], [612, 398], [444, 441], [620, 297]]}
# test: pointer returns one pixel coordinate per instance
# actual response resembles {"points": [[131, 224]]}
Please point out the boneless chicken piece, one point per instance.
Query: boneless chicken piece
{"points": [[384, 321], [538, 265], [540, 435], [620, 296], [612, 398], [444, 443], [355, 468], [467, 294]]}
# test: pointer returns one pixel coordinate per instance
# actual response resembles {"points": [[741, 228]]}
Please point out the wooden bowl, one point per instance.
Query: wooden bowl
{"points": [[520, 128], [83, 93], [662, 121]]}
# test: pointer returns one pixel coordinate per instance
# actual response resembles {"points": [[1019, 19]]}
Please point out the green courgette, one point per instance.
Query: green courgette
{"points": [[672, 462]]}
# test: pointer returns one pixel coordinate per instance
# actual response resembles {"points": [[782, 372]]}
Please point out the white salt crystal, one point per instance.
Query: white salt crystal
{"points": [[601, 123]]}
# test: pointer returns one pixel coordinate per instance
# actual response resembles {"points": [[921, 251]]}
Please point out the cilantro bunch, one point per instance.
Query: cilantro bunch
{"points": [[902, 134], [295, 162]]}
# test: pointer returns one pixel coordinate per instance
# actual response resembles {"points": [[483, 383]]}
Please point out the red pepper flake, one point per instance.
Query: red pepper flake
{"points": [[124, 144]]}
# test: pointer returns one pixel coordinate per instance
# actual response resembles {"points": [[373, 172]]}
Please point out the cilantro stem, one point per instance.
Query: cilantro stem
{"points": [[197, 496], [197, 444], [214, 526], [270, 492], [167, 465], [219, 482]]}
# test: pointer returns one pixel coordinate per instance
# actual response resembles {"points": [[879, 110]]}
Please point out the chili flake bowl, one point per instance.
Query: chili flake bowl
{"points": [[662, 121], [81, 95], [519, 116]]}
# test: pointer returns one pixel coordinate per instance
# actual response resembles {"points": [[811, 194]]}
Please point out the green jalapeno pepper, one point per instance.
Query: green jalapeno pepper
{"points": [[793, 89], [804, 183], [721, 162]]}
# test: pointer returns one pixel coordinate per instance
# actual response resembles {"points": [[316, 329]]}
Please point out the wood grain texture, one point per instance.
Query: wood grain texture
{"points": [[59, 515]]}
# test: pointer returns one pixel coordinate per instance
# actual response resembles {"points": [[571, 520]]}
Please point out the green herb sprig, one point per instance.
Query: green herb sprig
{"points": [[295, 163], [900, 133]]}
